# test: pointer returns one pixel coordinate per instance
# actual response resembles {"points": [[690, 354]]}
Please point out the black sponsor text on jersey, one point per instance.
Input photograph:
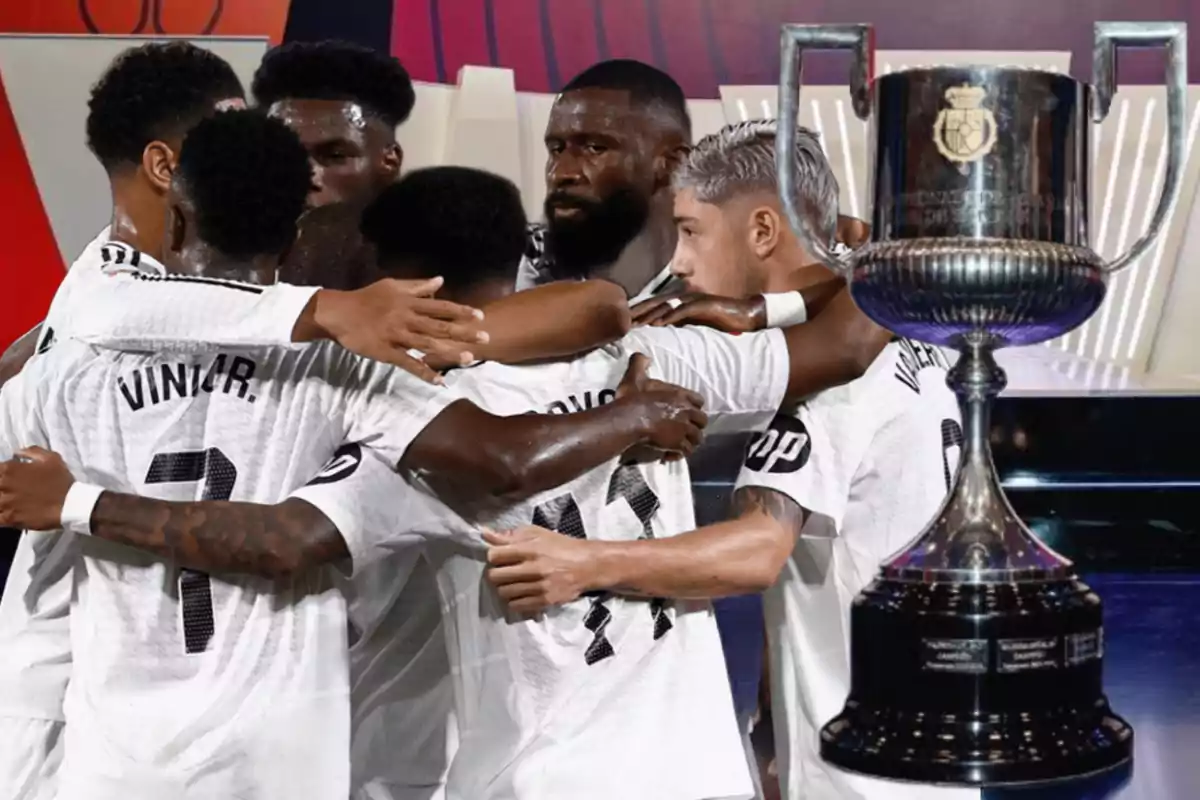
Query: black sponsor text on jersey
{"points": [[783, 447], [345, 462]]}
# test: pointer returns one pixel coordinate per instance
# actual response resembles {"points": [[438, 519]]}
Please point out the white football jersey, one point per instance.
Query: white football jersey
{"points": [[187, 686], [606, 696], [872, 460], [35, 632], [403, 730]]}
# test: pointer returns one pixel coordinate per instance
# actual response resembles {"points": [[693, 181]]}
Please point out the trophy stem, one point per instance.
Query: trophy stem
{"points": [[976, 537], [975, 380]]}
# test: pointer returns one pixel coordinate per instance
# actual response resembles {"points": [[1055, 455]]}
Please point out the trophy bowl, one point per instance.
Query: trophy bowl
{"points": [[976, 654]]}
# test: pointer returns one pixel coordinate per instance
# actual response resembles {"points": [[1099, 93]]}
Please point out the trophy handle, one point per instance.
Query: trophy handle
{"points": [[796, 39], [1173, 37]]}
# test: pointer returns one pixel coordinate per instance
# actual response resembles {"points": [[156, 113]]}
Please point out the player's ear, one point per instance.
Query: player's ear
{"points": [[393, 160], [666, 163], [158, 162], [765, 231]]}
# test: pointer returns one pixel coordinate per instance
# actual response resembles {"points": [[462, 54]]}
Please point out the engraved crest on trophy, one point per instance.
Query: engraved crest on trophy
{"points": [[976, 653], [966, 131]]}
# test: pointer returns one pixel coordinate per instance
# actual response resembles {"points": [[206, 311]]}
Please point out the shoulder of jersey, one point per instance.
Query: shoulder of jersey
{"points": [[118, 255], [870, 391]]}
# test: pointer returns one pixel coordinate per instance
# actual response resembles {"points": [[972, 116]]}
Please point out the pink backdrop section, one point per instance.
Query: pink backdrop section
{"points": [[707, 43]]}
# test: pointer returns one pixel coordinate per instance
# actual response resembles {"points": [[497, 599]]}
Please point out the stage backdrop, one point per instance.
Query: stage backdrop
{"points": [[709, 43]]}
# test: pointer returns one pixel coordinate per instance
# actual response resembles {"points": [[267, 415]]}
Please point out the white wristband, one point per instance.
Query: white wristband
{"points": [[785, 309], [77, 507]]}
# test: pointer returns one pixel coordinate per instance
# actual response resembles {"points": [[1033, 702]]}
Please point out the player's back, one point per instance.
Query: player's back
{"points": [[186, 685], [872, 460], [911, 459], [606, 696]]}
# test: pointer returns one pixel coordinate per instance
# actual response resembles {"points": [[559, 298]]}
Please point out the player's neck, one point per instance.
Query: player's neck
{"points": [[644, 258], [201, 260], [791, 272], [482, 293], [138, 218]]}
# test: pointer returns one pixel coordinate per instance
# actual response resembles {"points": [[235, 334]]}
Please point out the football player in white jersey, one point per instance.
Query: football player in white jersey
{"points": [[243, 664], [826, 493], [539, 701], [130, 108], [615, 134]]}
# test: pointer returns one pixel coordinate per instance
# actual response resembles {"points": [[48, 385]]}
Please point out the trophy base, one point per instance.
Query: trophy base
{"points": [[977, 685]]}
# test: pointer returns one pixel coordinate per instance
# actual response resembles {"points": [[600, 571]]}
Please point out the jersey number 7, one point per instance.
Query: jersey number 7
{"points": [[216, 471]]}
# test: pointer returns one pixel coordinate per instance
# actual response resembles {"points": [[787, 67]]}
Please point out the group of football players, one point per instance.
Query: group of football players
{"points": [[341, 481]]}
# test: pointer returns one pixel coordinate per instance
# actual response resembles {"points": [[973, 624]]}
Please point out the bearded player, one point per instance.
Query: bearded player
{"points": [[825, 495], [616, 133]]}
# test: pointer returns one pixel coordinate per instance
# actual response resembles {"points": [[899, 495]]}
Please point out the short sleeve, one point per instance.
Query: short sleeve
{"points": [[386, 408], [743, 379], [374, 509], [123, 300], [811, 455]]}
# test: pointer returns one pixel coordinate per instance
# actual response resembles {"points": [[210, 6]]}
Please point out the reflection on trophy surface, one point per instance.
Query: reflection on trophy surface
{"points": [[976, 654]]}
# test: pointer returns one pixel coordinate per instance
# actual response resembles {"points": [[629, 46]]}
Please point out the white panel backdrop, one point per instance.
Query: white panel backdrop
{"points": [[48, 79]]}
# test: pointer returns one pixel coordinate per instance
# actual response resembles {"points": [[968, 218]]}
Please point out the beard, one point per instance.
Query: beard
{"points": [[597, 236]]}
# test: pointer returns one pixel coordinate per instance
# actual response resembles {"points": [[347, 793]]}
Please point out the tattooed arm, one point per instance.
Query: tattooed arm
{"points": [[272, 541], [222, 537], [533, 568]]}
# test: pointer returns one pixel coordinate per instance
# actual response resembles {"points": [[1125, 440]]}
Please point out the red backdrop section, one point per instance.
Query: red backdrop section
{"points": [[707, 43], [32, 264]]}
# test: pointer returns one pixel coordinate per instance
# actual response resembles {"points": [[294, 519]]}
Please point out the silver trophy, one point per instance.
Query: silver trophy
{"points": [[976, 653]]}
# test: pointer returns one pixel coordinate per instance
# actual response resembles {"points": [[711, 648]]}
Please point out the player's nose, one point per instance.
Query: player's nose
{"points": [[681, 265]]}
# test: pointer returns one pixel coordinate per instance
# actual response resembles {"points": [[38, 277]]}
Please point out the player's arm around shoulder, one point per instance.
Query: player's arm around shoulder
{"points": [[533, 568], [836, 347], [518, 456], [550, 321], [271, 541], [830, 341]]}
